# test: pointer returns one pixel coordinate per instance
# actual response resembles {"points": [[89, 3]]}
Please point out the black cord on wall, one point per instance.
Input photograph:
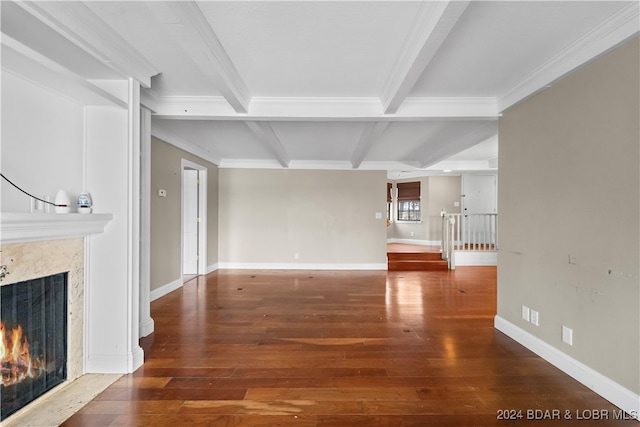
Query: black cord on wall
{"points": [[30, 195]]}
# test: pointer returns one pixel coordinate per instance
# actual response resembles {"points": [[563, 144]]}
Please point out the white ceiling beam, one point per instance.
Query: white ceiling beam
{"points": [[614, 31], [28, 64], [323, 109], [149, 99], [78, 24], [234, 90], [371, 132], [315, 106], [431, 26], [459, 107], [266, 133]]}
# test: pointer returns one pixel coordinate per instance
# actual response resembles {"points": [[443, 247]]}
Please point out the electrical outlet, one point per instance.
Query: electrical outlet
{"points": [[38, 206], [567, 335], [526, 313], [296, 256], [534, 318]]}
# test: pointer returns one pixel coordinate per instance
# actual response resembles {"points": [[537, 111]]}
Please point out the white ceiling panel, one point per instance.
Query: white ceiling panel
{"points": [[497, 43], [225, 139], [400, 139], [312, 48], [320, 141]]}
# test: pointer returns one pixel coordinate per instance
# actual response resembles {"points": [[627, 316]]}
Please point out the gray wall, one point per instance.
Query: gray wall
{"points": [[166, 226], [327, 217], [569, 214], [436, 193]]}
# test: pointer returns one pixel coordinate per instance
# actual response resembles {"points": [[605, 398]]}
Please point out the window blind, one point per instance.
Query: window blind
{"points": [[408, 191]]}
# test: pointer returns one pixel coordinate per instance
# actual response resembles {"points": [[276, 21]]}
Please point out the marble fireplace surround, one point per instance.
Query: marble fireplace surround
{"points": [[38, 245]]}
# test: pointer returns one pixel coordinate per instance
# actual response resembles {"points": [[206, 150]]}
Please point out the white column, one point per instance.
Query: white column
{"points": [[135, 354], [113, 287], [146, 322]]}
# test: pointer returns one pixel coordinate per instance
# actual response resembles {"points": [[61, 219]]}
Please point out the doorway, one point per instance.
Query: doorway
{"points": [[479, 197], [194, 214]]}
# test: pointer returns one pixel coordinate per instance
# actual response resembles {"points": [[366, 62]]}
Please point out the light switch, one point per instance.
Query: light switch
{"points": [[378, 215]]}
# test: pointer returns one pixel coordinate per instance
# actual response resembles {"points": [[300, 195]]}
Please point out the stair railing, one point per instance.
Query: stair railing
{"points": [[468, 232], [475, 232], [447, 244]]}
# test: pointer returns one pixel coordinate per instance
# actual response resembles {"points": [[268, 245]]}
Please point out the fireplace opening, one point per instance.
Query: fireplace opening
{"points": [[33, 340]]}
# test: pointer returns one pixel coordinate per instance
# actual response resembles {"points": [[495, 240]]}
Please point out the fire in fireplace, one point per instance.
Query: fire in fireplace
{"points": [[33, 340], [17, 363]]}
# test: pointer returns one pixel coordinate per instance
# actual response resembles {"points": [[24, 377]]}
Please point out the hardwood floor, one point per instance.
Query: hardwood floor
{"points": [[337, 349]]}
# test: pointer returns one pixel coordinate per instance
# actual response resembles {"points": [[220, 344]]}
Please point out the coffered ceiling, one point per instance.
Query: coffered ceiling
{"points": [[412, 86]]}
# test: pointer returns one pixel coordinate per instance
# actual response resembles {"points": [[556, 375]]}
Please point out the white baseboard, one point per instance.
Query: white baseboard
{"points": [[476, 258], [212, 268], [299, 266], [620, 396], [146, 327], [114, 363], [163, 290], [416, 242]]}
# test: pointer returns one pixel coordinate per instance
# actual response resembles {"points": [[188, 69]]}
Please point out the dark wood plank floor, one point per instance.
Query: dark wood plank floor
{"points": [[337, 349]]}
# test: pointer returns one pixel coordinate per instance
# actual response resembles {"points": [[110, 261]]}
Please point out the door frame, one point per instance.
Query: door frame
{"points": [[202, 214]]}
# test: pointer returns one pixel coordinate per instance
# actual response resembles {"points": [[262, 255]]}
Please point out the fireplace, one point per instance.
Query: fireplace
{"points": [[33, 340]]}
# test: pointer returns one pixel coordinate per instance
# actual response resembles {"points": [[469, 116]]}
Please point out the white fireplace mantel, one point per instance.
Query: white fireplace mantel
{"points": [[27, 227]]}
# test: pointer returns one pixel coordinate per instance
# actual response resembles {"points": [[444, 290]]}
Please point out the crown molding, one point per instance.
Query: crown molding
{"points": [[410, 169], [234, 90], [462, 165], [431, 26], [302, 164], [441, 107], [321, 109], [186, 107], [249, 164], [310, 107], [78, 24], [390, 165], [617, 29], [183, 144]]}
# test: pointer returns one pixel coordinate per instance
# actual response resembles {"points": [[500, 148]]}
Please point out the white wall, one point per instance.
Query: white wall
{"points": [[111, 346], [51, 143], [41, 151]]}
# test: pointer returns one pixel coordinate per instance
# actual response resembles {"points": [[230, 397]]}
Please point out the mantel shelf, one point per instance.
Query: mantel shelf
{"points": [[27, 227]]}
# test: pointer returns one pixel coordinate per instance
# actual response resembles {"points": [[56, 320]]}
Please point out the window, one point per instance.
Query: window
{"points": [[409, 201]]}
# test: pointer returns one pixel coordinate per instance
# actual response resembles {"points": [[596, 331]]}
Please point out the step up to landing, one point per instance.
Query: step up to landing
{"points": [[416, 261]]}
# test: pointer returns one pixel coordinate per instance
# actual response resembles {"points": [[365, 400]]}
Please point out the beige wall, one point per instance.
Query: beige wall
{"points": [[327, 217], [569, 214], [166, 227], [443, 192], [436, 193]]}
